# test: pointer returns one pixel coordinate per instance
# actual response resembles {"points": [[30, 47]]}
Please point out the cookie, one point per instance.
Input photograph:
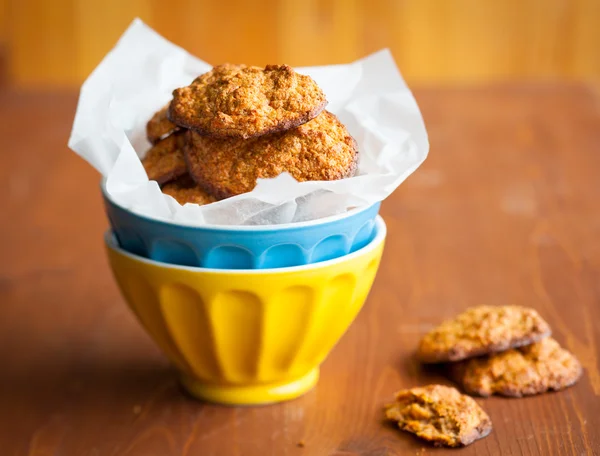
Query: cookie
{"points": [[185, 190], [164, 161], [321, 149], [523, 371], [159, 127], [440, 415], [482, 330], [244, 102]]}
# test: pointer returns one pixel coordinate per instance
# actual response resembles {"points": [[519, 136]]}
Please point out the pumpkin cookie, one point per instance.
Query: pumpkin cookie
{"points": [[243, 102], [482, 330], [321, 149], [185, 190], [159, 127], [440, 415], [164, 161], [523, 371]]}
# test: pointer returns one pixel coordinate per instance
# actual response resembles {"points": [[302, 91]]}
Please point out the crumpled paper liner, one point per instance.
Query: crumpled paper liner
{"points": [[137, 77]]}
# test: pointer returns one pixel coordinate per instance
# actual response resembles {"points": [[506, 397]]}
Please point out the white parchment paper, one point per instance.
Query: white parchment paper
{"points": [[137, 78]]}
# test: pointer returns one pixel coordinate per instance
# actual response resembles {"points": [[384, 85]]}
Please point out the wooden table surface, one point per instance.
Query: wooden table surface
{"points": [[506, 210]]}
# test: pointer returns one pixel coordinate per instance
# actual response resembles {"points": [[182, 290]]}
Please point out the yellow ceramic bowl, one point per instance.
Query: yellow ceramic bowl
{"points": [[251, 336]]}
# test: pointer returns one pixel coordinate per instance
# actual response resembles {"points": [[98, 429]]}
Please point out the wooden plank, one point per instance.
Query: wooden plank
{"points": [[505, 210], [584, 62], [3, 22], [98, 26], [433, 41], [42, 43]]}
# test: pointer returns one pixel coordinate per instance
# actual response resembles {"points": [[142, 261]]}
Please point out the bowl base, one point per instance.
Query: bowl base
{"points": [[251, 394]]}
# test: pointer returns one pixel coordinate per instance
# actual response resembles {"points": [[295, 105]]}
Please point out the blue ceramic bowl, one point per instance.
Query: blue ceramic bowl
{"points": [[242, 247]]}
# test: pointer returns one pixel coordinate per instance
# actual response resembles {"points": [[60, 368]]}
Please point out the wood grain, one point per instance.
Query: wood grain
{"points": [[505, 210], [3, 20], [60, 42]]}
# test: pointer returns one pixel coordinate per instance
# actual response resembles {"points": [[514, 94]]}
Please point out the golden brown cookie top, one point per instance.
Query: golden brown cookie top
{"points": [[244, 102], [440, 415], [522, 371], [159, 127], [321, 149], [482, 330], [164, 161], [185, 190]]}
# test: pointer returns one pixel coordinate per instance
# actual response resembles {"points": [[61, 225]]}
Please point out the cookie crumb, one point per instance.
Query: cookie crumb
{"points": [[440, 415]]}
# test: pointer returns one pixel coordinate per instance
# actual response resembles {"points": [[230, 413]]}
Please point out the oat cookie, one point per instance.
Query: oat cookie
{"points": [[482, 330], [440, 415], [244, 102], [185, 190], [159, 127], [522, 371], [321, 149], [164, 161]]}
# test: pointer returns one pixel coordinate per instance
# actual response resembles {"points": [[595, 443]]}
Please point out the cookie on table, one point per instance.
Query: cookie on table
{"points": [[440, 415], [246, 101], [523, 371], [321, 149], [185, 190], [482, 330], [159, 127], [164, 161]]}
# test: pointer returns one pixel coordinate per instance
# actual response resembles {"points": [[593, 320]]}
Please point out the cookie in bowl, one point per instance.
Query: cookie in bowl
{"points": [[319, 150], [185, 191], [159, 126], [246, 101], [164, 161]]}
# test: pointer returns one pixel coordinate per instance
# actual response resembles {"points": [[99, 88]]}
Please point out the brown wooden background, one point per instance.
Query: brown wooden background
{"points": [[58, 42], [506, 210]]}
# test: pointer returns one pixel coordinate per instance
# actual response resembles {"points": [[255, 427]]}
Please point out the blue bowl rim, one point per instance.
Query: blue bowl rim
{"points": [[380, 235], [281, 227]]}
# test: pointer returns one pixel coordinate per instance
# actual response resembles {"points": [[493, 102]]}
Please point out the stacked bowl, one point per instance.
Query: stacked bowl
{"points": [[246, 313]]}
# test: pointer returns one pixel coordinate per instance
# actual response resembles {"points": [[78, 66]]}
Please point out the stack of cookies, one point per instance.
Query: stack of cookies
{"points": [[487, 350], [501, 350], [238, 123]]}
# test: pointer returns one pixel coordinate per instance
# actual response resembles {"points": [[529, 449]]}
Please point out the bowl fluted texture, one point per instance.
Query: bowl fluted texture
{"points": [[249, 247], [247, 337]]}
